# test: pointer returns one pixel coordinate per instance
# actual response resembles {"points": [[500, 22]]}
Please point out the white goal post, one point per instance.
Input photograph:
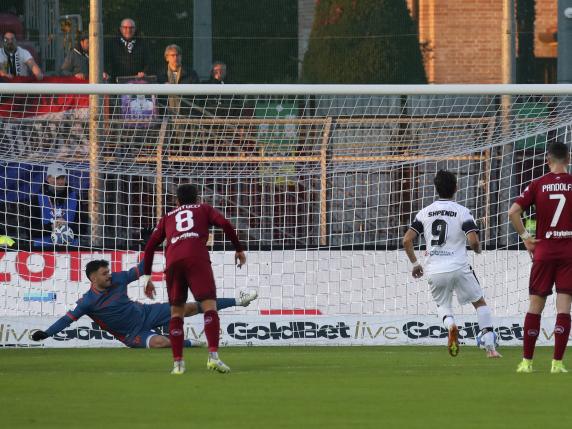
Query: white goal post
{"points": [[321, 182]]}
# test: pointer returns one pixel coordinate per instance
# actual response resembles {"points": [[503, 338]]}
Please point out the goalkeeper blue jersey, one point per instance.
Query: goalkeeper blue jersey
{"points": [[111, 309]]}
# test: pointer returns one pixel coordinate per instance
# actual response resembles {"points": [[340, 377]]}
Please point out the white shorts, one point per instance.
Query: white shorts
{"points": [[462, 281]]}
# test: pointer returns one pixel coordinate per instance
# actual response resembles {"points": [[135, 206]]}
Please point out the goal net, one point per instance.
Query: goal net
{"points": [[321, 183]]}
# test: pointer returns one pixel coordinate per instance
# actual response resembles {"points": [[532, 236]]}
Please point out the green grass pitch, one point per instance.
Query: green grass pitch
{"points": [[281, 387]]}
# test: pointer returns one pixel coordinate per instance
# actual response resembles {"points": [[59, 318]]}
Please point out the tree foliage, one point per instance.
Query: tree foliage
{"points": [[365, 41]]}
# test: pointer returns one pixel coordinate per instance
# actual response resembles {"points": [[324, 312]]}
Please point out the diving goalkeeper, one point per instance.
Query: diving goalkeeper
{"points": [[132, 323]]}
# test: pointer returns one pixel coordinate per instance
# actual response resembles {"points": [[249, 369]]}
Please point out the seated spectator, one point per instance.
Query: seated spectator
{"points": [[77, 61], [17, 61], [54, 211], [126, 55], [175, 73], [218, 73]]}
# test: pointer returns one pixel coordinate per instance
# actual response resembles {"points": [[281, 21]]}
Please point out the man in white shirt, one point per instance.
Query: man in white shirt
{"points": [[447, 226], [16, 61]]}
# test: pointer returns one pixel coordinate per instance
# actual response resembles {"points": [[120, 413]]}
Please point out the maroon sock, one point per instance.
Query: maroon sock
{"points": [[561, 334], [212, 329], [531, 331], [176, 336]]}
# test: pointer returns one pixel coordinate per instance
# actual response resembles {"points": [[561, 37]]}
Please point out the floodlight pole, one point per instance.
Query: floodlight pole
{"points": [[95, 75]]}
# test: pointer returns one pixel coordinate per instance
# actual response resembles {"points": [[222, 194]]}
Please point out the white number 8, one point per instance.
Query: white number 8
{"points": [[184, 220]]}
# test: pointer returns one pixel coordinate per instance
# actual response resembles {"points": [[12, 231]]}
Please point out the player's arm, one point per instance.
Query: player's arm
{"points": [[408, 240], [471, 231], [157, 237], [123, 278], [474, 242], [217, 218], [61, 324], [515, 217]]}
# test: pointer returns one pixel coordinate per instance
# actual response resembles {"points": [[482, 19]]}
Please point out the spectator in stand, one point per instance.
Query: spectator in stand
{"points": [[54, 211], [77, 61], [126, 55], [218, 73], [175, 73], [17, 61]]}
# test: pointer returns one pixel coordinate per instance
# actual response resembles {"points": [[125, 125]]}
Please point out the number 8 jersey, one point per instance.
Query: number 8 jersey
{"points": [[552, 196], [444, 225], [186, 231]]}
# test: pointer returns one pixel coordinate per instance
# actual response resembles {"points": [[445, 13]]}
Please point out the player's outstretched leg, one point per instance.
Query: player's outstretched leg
{"points": [[193, 343]]}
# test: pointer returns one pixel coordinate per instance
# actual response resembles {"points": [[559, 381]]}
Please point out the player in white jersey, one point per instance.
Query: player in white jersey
{"points": [[447, 226]]}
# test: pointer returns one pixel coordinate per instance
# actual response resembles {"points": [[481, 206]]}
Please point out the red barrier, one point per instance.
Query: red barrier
{"points": [[25, 106]]}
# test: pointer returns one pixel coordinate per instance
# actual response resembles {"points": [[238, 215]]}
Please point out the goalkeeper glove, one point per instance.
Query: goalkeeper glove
{"points": [[39, 335]]}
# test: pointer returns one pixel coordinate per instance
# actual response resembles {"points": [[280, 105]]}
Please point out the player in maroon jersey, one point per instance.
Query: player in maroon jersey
{"points": [[188, 265], [551, 251]]}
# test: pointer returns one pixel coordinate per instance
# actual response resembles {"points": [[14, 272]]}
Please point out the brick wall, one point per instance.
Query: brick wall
{"points": [[546, 21], [461, 39]]}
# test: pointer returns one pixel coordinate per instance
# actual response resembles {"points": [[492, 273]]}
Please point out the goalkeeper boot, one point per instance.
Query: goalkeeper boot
{"points": [[217, 365], [525, 366], [557, 367], [194, 343], [453, 341], [245, 298], [178, 367]]}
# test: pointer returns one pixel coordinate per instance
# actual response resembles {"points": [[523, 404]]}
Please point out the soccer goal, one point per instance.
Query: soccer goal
{"points": [[321, 182]]}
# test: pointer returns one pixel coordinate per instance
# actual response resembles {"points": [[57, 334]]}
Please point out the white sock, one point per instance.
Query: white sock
{"points": [[448, 321], [489, 340], [485, 317], [213, 355]]}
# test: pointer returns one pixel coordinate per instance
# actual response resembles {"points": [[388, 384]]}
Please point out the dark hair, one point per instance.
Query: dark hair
{"points": [[80, 37], [187, 194], [93, 266], [558, 151], [445, 183]]}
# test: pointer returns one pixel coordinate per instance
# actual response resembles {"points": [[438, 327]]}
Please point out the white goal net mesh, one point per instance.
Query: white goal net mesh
{"points": [[320, 187]]}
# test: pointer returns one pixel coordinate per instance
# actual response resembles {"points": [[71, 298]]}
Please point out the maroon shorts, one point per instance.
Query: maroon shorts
{"points": [[190, 273], [544, 274]]}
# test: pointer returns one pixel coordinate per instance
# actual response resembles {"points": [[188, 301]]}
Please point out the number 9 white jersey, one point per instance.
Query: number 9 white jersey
{"points": [[445, 225]]}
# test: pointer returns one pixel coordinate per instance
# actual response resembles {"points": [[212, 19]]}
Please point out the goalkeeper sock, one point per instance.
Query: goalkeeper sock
{"points": [[531, 331], [561, 334], [221, 303], [212, 329], [176, 337]]}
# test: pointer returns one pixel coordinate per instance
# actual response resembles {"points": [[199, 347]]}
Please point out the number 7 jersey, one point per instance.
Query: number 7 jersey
{"points": [[444, 225], [186, 231], [552, 196]]}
